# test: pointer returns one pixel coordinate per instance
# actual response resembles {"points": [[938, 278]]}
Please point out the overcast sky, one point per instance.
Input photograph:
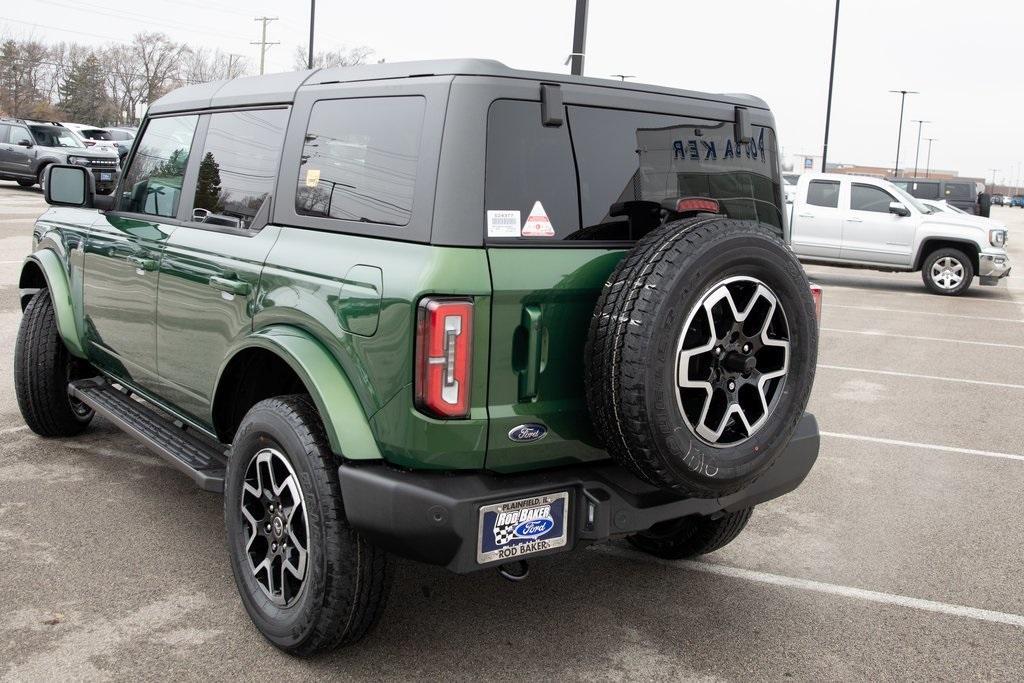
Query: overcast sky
{"points": [[961, 56]]}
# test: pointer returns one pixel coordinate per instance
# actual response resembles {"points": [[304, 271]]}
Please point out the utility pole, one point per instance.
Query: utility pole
{"points": [[263, 41], [899, 135], [831, 78], [231, 63], [928, 164], [917, 154], [312, 23], [579, 38], [994, 171]]}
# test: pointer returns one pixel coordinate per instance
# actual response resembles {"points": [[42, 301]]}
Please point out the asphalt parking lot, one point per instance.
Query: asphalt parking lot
{"points": [[901, 555]]}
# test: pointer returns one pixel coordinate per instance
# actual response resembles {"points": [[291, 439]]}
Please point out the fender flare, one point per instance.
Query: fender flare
{"points": [[345, 421], [53, 271], [922, 250]]}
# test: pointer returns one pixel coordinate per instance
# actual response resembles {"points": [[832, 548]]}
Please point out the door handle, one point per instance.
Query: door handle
{"points": [[226, 284], [143, 263], [528, 376], [806, 215], [854, 220]]}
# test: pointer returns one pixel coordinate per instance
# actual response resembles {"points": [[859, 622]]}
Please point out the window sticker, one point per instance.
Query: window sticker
{"points": [[503, 223], [312, 177], [537, 223]]}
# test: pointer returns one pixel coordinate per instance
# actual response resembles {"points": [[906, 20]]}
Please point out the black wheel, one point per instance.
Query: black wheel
{"points": [[307, 579], [41, 179], [42, 370], [948, 272], [691, 536], [26, 183], [701, 355]]}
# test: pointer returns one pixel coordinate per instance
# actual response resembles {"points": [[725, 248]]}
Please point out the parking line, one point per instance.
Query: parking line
{"points": [[869, 290], [878, 597], [924, 446], [11, 430], [941, 315], [913, 375], [871, 333]]}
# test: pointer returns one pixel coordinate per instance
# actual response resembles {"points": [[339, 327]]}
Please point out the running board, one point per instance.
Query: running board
{"points": [[194, 456]]}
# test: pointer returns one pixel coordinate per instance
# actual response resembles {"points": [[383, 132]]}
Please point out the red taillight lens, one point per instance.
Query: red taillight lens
{"points": [[697, 204], [443, 333], [816, 294]]}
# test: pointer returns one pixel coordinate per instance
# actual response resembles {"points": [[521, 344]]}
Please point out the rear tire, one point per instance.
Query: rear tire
{"points": [[685, 537], [948, 272], [344, 580], [43, 368], [26, 183]]}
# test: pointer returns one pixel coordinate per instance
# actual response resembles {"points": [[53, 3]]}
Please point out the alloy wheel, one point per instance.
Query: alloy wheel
{"points": [[947, 272], [732, 360], [277, 537]]}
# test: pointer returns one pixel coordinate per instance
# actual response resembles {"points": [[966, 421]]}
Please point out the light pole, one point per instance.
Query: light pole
{"points": [[917, 154], [928, 164], [312, 23], [831, 78], [579, 38], [899, 135]]}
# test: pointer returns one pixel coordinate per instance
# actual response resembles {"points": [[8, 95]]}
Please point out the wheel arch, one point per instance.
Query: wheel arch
{"points": [[44, 268], [934, 243], [290, 359]]}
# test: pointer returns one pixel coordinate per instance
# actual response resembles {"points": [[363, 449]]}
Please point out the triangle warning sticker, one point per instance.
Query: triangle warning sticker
{"points": [[537, 223]]}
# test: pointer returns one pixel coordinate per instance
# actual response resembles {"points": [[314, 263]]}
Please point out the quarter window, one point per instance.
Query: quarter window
{"points": [[823, 193], [359, 159], [152, 184], [870, 198], [238, 166]]}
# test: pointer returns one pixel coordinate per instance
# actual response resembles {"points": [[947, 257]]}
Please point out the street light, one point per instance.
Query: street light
{"points": [[917, 154], [831, 78], [928, 164], [899, 135]]}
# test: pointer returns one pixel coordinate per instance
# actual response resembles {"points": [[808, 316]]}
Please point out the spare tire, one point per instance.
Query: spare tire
{"points": [[701, 355]]}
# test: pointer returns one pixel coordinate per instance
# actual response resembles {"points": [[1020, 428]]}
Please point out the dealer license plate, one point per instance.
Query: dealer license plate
{"points": [[106, 176], [518, 528]]}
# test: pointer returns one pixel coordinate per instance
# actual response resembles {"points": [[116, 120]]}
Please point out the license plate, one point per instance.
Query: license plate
{"points": [[518, 528], [106, 176]]}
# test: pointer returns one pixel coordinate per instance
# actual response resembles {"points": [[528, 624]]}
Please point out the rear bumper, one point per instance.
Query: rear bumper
{"points": [[434, 517]]}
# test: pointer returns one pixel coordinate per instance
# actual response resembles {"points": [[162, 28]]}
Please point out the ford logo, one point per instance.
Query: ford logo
{"points": [[534, 528], [527, 432]]}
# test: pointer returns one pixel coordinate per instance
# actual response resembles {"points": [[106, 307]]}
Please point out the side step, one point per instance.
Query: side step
{"points": [[194, 456]]}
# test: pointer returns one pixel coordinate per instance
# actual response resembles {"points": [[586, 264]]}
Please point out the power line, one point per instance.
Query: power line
{"points": [[263, 41]]}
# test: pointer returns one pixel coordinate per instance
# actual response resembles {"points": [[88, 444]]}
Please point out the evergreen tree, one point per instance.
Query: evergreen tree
{"points": [[83, 92], [208, 187]]}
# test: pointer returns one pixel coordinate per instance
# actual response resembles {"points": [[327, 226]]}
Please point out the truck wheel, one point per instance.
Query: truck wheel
{"points": [[42, 370], [26, 183], [701, 355], [308, 580], [948, 272], [676, 539]]}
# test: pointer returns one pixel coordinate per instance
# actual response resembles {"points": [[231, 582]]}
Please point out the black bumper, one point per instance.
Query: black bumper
{"points": [[434, 517]]}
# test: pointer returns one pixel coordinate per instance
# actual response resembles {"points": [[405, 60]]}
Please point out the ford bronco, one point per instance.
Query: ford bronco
{"points": [[446, 311]]}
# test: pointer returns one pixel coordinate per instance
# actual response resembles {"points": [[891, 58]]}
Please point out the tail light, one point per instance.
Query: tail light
{"points": [[816, 294], [697, 204], [444, 327]]}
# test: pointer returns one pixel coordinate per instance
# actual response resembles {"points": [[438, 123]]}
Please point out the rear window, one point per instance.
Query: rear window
{"points": [[823, 193], [959, 191], [923, 190], [95, 134]]}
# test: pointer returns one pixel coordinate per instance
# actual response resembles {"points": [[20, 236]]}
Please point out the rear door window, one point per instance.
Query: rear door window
{"points": [[923, 190], [823, 193]]}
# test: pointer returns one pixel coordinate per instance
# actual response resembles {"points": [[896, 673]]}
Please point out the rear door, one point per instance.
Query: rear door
{"points": [[21, 151], [211, 264], [817, 228]]}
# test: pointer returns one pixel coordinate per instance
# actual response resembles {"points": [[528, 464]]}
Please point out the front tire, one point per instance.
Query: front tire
{"points": [[26, 183], [307, 579], [43, 368], [947, 272], [686, 537]]}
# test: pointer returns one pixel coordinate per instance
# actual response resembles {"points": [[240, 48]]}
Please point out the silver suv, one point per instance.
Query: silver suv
{"points": [[28, 147]]}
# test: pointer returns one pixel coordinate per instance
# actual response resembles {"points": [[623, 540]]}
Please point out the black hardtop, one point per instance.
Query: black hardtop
{"points": [[281, 88]]}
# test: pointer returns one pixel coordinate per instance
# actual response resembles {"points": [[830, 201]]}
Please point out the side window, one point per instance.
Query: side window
{"points": [[359, 159], [20, 135], [152, 184], [870, 198], [529, 177], [5, 130], [238, 166], [823, 193], [959, 191], [924, 190]]}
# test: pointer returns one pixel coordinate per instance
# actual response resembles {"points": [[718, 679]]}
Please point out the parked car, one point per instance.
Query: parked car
{"points": [[123, 139], [1018, 200], [789, 181], [92, 136], [963, 194], [370, 345], [870, 223], [28, 148]]}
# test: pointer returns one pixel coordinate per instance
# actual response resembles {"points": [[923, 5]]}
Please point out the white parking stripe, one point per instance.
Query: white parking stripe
{"points": [[924, 446], [941, 315], [872, 333], [869, 290], [878, 597], [11, 430], [916, 376]]}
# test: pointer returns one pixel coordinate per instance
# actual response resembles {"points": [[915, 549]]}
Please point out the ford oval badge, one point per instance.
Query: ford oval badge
{"points": [[527, 432]]}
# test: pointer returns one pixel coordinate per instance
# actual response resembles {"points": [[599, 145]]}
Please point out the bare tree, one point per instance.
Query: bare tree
{"points": [[24, 78], [202, 65], [124, 82], [328, 58], [158, 60]]}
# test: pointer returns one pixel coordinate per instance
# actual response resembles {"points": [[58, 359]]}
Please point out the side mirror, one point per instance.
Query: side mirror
{"points": [[67, 185], [899, 209], [24, 143]]}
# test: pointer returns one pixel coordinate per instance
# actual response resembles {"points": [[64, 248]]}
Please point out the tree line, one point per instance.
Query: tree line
{"points": [[112, 85]]}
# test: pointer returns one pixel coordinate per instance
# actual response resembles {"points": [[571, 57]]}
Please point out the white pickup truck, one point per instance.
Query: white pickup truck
{"points": [[862, 222]]}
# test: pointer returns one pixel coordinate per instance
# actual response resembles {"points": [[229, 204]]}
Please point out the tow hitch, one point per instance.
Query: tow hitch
{"points": [[514, 571]]}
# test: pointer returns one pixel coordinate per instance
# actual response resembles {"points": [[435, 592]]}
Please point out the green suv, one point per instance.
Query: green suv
{"points": [[446, 311]]}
